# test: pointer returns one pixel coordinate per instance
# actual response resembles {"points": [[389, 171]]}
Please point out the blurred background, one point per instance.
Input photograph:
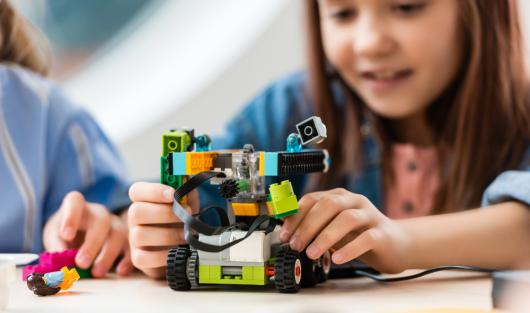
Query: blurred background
{"points": [[142, 67]]}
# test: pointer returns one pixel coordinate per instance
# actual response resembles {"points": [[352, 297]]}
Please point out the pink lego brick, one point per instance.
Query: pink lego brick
{"points": [[56, 260], [51, 262]]}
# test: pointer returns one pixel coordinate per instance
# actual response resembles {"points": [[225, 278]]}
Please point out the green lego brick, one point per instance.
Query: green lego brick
{"points": [[175, 141], [165, 177], [283, 199], [84, 272], [243, 185], [251, 275]]}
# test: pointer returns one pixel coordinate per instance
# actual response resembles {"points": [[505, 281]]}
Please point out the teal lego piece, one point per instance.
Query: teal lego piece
{"points": [[283, 199], [179, 163], [271, 164], [294, 143]]}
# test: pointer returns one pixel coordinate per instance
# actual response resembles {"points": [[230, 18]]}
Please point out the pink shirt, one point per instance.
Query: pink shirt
{"points": [[416, 179]]}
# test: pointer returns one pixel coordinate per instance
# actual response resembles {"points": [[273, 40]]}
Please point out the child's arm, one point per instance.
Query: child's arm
{"points": [[496, 236], [100, 235]]}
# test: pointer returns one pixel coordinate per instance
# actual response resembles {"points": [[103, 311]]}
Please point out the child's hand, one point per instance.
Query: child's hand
{"points": [[154, 228], [100, 235], [351, 224]]}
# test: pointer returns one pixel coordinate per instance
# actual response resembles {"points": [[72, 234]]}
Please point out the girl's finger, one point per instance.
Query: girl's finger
{"points": [[151, 192], [144, 259], [145, 213], [366, 241], [97, 228], [291, 223], [51, 235], [71, 212], [154, 236], [339, 228], [326, 208], [109, 252], [125, 266]]}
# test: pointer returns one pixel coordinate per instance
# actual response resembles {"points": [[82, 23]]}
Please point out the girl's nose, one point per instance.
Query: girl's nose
{"points": [[372, 38]]}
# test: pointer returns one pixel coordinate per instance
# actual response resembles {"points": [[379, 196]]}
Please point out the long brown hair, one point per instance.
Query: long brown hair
{"points": [[482, 119], [20, 42]]}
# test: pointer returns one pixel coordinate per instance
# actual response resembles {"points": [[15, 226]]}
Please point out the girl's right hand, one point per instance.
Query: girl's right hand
{"points": [[153, 227]]}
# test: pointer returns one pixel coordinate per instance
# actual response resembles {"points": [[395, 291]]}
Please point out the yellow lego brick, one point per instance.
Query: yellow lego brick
{"points": [[262, 164], [197, 162], [245, 209]]}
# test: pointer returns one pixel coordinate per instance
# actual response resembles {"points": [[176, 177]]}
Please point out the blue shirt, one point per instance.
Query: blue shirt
{"points": [[270, 117], [48, 147]]}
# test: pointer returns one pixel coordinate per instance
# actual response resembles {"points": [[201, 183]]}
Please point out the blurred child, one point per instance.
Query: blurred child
{"points": [[60, 173], [428, 114]]}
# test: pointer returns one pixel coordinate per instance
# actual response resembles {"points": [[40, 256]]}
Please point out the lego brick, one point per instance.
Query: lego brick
{"points": [[251, 275], [178, 163], [53, 262], [197, 162], [268, 164], [166, 168], [255, 248], [297, 163], [175, 141], [84, 272], [284, 201], [223, 161], [245, 209]]}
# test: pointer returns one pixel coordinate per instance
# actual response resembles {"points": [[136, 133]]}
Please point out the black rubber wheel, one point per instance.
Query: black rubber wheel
{"points": [[324, 267], [288, 271], [311, 271], [176, 272]]}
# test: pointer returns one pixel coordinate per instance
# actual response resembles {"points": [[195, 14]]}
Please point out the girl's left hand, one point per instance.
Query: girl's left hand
{"points": [[351, 224], [100, 235]]}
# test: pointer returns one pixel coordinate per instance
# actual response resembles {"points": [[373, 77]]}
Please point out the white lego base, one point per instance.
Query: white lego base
{"points": [[7, 276], [254, 250]]}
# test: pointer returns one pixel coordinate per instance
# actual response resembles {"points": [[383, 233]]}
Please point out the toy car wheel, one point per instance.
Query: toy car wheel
{"points": [[311, 271], [325, 267], [192, 269], [176, 273], [288, 271]]}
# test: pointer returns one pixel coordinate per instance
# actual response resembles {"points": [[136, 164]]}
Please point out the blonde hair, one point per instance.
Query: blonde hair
{"points": [[20, 42]]}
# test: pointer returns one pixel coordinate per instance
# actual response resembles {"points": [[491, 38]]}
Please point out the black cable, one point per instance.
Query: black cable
{"points": [[426, 272]]}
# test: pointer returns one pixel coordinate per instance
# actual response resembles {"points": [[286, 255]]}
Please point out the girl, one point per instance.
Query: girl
{"points": [[428, 115], [48, 148]]}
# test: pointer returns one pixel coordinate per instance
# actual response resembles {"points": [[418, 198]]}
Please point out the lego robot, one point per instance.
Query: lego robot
{"points": [[245, 249]]}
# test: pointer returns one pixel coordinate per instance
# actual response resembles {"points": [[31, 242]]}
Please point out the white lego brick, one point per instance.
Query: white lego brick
{"points": [[255, 248]]}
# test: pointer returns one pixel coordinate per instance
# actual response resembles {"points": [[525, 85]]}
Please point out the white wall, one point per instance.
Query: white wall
{"points": [[223, 55]]}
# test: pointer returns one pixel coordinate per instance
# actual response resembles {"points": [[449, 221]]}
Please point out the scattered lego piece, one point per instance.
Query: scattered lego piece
{"points": [[54, 261], [51, 283]]}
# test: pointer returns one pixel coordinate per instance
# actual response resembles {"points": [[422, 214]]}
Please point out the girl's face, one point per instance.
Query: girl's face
{"points": [[397, 55]]}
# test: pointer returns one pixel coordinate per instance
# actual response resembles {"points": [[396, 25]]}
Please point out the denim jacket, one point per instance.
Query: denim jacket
{"points": [[270, 117], [48, 147]]}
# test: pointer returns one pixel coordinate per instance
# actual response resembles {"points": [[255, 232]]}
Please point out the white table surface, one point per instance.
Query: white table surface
{"points": [[140, 294]]}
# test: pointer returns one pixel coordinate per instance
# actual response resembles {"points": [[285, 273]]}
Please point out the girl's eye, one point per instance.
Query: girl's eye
{"points": [[409, 8], [343, 14]]}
